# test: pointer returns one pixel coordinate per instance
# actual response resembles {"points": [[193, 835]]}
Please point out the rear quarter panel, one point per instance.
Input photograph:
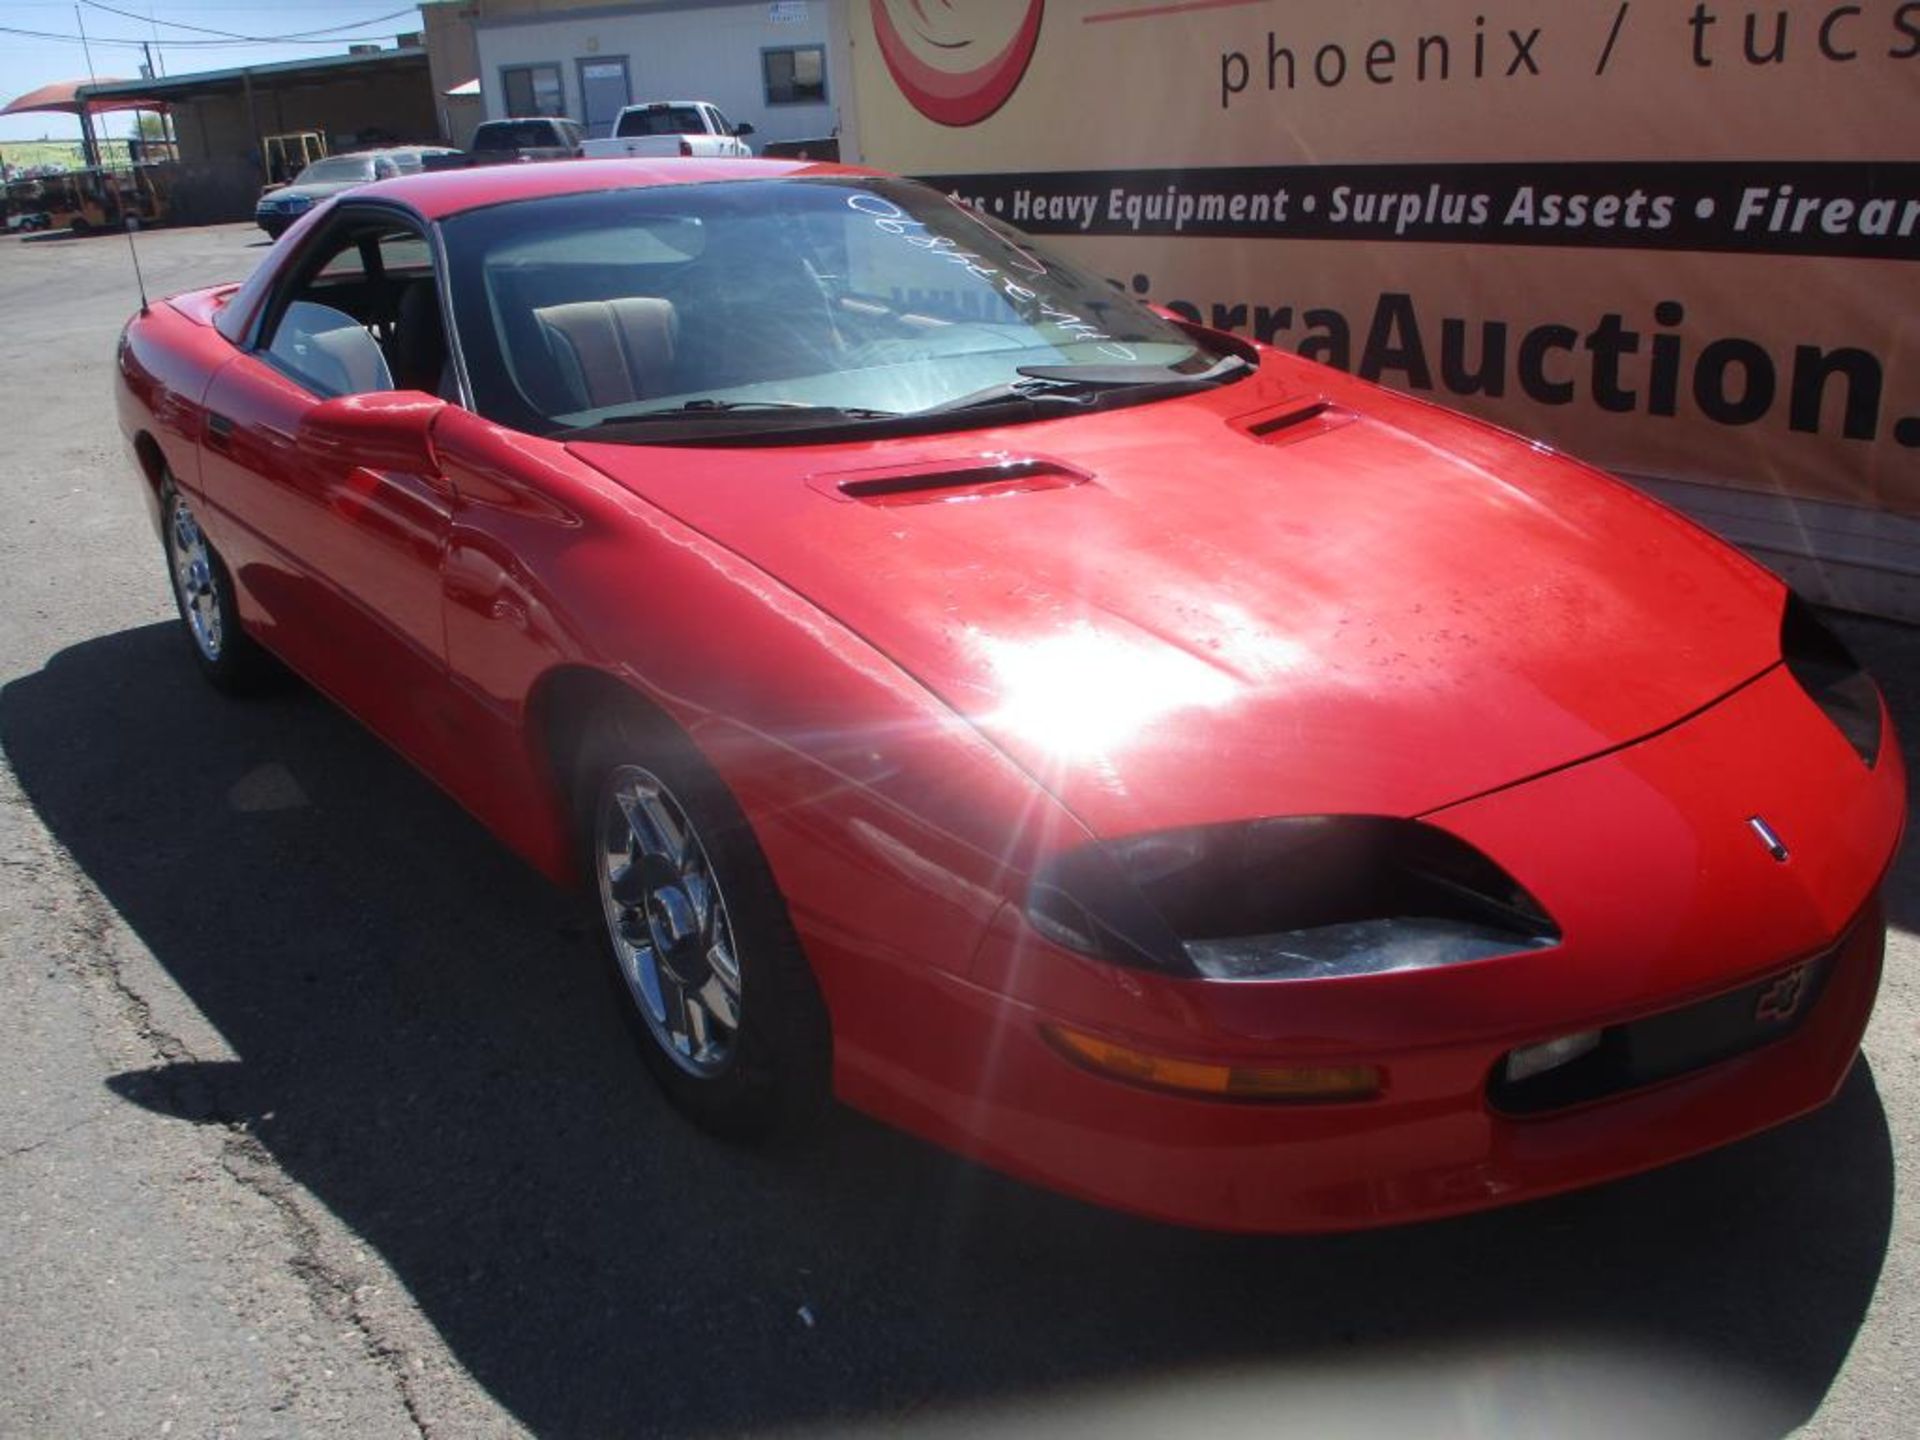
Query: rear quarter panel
{"points": [[168, 354]]}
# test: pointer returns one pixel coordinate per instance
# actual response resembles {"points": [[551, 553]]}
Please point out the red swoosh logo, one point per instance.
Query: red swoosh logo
{"points": [[955, 97]]}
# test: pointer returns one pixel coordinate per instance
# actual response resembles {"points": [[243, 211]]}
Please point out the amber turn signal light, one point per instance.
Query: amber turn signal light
{"points": [[1222, 1082]]}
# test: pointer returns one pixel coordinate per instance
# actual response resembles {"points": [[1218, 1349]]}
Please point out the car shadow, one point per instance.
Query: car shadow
{"points": [[425, 1042]]}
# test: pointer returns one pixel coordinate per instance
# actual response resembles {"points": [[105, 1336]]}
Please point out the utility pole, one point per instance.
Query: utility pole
{"points": [[85, 48], [90, 149], [157, 62]]}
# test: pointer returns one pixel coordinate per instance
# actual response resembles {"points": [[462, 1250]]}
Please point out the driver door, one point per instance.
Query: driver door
{"points": [[339, 563]]}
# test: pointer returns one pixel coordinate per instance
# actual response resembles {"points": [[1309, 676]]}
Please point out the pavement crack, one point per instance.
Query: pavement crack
{"points": [[45, 1140], [332, 1292], [91, 959]]}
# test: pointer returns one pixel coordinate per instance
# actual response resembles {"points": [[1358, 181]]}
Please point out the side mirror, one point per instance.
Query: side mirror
{"points": [[381, 430], [744, 129]]}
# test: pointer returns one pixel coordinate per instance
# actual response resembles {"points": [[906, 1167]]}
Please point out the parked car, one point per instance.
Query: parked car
{"points": [[504, 142], [1155, 764], [281, 205], [671, 127], [534, 138]]}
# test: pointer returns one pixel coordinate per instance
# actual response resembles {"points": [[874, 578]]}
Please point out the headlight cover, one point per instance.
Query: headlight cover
{"points": [[1296, 898], [1832, 678]]}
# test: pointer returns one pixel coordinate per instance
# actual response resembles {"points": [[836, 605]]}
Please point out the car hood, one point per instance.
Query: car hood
{"points": [[1210, 608]]}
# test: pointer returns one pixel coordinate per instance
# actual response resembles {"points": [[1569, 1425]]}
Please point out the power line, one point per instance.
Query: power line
{"points": [[177, 44], [194, 6], [297, 35]]}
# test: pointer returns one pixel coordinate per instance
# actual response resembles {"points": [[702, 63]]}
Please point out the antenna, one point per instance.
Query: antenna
{"points": [[133, 224]]}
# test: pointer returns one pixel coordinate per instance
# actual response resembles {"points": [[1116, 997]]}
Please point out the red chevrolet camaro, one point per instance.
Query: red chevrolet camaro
{"points": [[1148, 762]]}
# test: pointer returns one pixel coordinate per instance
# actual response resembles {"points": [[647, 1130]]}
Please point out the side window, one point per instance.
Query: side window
{"points": [[328, 351], [725, 125], [533, 90], [361, 313], [795, 74]]}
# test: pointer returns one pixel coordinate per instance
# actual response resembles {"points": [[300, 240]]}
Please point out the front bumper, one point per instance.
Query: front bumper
{"points": [[1666, 900]]}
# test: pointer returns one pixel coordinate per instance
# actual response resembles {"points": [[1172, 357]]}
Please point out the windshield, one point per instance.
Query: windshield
{"points": [[873, 296], [663, 120], [336, 168], [515, 135]]}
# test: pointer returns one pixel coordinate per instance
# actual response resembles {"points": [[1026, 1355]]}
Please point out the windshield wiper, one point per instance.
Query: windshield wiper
{"points": [[709, 405], [695, 411], [1109, 376], [1077, 385]]}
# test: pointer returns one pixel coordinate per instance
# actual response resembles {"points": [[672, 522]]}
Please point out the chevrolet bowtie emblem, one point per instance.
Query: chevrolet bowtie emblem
{"points": [[1769, 837], [1780, 999]]}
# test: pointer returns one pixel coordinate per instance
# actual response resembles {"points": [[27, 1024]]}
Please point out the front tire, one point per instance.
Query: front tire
{"points": [[203, 594], [712, 979]]}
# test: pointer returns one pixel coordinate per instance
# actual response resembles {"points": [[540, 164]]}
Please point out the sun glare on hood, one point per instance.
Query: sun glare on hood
{"points": [[1087, 692]]}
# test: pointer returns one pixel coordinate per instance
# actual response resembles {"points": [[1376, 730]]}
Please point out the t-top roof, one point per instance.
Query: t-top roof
{"points": [[439, 194]]}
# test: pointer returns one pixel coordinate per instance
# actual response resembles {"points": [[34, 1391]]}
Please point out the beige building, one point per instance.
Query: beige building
{"points": [[777, 64]]}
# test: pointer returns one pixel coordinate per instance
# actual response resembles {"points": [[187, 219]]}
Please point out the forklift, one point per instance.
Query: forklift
{"points": [[285, 156]]}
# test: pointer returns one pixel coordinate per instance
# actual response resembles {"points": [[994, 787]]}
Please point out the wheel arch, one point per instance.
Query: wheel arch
{"points": [[558, 710], [152, 461]]}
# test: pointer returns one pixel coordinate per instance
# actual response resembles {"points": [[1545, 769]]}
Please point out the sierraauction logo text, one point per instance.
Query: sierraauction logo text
{"points": [[957, 63]]}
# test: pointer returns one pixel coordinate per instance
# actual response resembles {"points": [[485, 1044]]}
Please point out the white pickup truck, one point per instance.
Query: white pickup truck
{"points": [[671, 127]]}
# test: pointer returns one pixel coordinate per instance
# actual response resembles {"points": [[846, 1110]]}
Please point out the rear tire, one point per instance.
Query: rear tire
{"points": [[711, 978], [203, 594]]}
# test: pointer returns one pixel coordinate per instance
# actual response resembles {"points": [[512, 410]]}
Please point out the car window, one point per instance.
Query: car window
{"points": [[329, 351], [335, 169], [726, 125], [862, 293], [515, 135], [371, 276], [661, 120], [401, 252]]}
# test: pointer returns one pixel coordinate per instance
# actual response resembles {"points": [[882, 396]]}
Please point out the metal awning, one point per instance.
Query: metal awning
{"points": [[63, 97], [206, 84]]}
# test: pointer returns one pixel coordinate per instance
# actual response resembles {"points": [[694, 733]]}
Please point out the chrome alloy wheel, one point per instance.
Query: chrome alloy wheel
{"points": [[193, 580], [668, 921]]}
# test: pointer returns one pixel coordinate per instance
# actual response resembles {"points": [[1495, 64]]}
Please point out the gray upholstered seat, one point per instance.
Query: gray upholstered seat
{"points": [[611, 352]]}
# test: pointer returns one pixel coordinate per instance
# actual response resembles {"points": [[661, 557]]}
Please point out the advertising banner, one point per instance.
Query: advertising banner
{"points": [[1675, 237]]}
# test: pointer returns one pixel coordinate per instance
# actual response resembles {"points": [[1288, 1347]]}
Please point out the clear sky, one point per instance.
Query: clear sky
{"points": [[29, 61]]}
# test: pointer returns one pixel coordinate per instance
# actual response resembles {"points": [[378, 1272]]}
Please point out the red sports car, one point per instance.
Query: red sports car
{"points": [[1153, 764]]}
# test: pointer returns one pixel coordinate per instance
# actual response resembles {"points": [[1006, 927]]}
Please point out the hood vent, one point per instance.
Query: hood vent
{"points": [[1295, 422], [975, 478]]}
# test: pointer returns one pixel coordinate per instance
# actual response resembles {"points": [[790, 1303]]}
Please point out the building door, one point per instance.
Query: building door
{"points": [[603, 94]]}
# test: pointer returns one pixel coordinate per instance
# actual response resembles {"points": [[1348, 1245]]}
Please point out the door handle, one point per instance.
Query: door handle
{"points": [[219, 430]]}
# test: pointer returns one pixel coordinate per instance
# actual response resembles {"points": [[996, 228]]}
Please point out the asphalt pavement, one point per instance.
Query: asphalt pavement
{"points": [[318, 1119]]}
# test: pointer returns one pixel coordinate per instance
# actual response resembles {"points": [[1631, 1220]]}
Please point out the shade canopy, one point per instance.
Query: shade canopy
{"points": [[462, 90], [63, 97]]}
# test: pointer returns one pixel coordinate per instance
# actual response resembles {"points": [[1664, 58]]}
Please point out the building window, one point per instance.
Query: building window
{"points": [[533, 90], [796, 74]]}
